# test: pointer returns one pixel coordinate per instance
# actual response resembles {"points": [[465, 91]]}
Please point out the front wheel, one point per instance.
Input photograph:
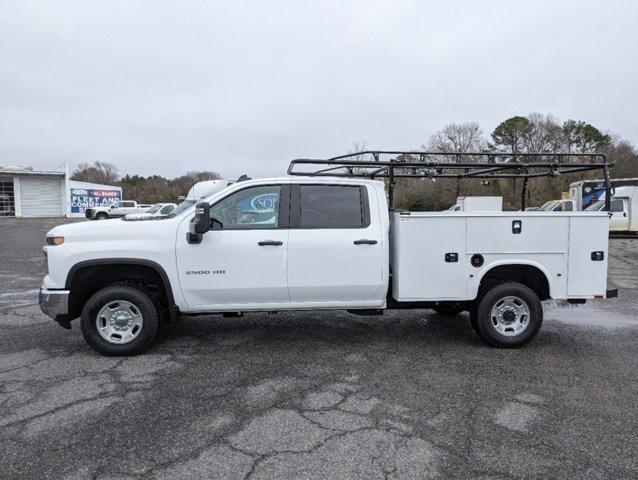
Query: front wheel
{"points": [[101, 216], [509, 315], [120, 320]]}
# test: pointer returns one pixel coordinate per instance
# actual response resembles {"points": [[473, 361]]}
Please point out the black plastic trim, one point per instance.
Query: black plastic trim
{"points": [[127, 261], [284, 206]]}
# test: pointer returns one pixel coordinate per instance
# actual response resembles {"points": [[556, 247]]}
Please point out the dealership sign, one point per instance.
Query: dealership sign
{"points": [[82, 198]]}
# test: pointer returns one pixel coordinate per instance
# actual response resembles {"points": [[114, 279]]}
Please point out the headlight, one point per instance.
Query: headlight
{"points": [[55, 240]]}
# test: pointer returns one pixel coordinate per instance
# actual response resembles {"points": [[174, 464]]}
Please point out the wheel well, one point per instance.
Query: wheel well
{"points": [[84, 280], [528, 275]]}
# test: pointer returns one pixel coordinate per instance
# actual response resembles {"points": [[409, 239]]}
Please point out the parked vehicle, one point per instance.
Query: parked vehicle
{"points": [[623, 212], [116, 210], [155, 211], [558, 206], [477, 204], [480, 204], [588, 192], [324, 239]]}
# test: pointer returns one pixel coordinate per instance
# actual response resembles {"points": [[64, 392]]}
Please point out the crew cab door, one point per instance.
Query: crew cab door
{"points": [[336, 250], [242, 265], [619, 209]]}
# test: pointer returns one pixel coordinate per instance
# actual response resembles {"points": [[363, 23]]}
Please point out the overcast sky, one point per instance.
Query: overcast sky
{"points": [[243, 87]]}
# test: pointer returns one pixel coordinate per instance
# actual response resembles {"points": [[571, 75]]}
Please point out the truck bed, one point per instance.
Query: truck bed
{"points": [[560, 245]]}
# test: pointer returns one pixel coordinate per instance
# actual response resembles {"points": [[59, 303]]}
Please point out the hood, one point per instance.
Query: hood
{"points": [[139, 216], [115, 228]]}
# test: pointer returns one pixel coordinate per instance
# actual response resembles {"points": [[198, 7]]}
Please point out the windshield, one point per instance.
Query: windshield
{"points": [[182, 207], [547, 206], [594, 207], [155, 208]]}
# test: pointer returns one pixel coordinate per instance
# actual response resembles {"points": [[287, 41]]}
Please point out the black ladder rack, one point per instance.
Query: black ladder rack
{"points": [[457, 165]]}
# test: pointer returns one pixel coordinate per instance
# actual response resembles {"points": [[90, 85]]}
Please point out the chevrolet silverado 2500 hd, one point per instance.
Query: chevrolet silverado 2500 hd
{"points": [[316, 242]]}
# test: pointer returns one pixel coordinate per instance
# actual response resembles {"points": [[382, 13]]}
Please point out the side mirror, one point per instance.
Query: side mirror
{"points": [[200, 223], [216, 224]]}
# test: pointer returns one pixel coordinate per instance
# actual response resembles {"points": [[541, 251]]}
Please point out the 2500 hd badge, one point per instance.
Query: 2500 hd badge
{"points": [[205, 272]]}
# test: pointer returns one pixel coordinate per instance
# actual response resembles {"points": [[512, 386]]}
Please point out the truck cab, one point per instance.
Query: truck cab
{"points": [[623, 212], [125, 207], [566, 205], [116, 210]]}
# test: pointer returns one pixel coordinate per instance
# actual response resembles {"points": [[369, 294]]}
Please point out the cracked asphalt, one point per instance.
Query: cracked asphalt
{"points": [[306, 395]]}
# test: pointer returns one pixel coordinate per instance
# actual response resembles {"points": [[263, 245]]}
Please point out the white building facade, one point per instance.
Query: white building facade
{"points": [[25, 192]]}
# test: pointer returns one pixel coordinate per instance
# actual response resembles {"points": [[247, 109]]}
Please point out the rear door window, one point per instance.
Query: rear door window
{"points": [[332, 206]]}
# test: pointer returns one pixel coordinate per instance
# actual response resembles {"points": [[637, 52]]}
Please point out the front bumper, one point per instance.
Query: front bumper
{"points": [[55, 304]]}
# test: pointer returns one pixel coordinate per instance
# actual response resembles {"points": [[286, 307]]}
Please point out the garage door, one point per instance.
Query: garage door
{"points": [[41, 196]]}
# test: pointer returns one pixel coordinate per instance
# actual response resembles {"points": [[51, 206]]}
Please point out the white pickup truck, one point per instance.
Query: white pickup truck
{"points": [[319, 243], [155, 211], [116, 210]]}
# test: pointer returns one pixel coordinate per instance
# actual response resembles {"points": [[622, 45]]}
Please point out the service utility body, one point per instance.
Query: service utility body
{"points": [[324, 239]]}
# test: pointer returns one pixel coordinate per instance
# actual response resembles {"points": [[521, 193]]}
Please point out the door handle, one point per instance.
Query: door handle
{"points": [[274, 243], [365, 242]]}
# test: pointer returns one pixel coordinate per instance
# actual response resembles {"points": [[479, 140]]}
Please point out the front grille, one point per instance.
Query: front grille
{"points": [[88, 213]]}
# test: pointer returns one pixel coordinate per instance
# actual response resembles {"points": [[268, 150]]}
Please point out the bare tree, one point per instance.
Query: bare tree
{"points": [[97, 172], [544, 134], [458, 137]]}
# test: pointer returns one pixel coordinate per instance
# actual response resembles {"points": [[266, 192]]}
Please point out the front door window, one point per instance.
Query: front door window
{"points": [[251, 208]]}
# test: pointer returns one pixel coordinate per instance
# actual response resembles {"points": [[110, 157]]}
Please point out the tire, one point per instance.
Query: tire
{"points": [[101, 216], [116, 305], [514, 329]]}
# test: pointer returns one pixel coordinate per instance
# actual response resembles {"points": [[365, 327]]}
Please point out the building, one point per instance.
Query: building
{"points": [[25, 192], [83, 195]]}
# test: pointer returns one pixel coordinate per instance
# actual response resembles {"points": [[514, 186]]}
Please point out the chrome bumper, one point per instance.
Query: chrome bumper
{"points": [[54, 303]]}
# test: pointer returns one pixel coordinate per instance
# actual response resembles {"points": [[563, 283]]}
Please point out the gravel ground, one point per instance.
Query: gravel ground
{"points": [[304, 395]]}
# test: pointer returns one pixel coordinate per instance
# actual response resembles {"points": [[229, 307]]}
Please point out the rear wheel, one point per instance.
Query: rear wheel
{"points": [[509, 315], [120, 320]]}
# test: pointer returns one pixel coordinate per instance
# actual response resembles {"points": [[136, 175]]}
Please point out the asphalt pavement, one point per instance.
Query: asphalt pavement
{"points": [[409, 394]]}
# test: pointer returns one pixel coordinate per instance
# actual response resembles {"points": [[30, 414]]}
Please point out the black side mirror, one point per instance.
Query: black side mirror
{"points": [[216, 224], [200, 223]]}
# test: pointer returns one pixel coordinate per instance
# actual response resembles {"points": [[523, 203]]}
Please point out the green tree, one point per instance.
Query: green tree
{"points": [[583, 137], [511, 134]]}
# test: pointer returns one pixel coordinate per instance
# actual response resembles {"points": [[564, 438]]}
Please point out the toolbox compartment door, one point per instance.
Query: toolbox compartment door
{"points": [[587, 277], [420, 270]]}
